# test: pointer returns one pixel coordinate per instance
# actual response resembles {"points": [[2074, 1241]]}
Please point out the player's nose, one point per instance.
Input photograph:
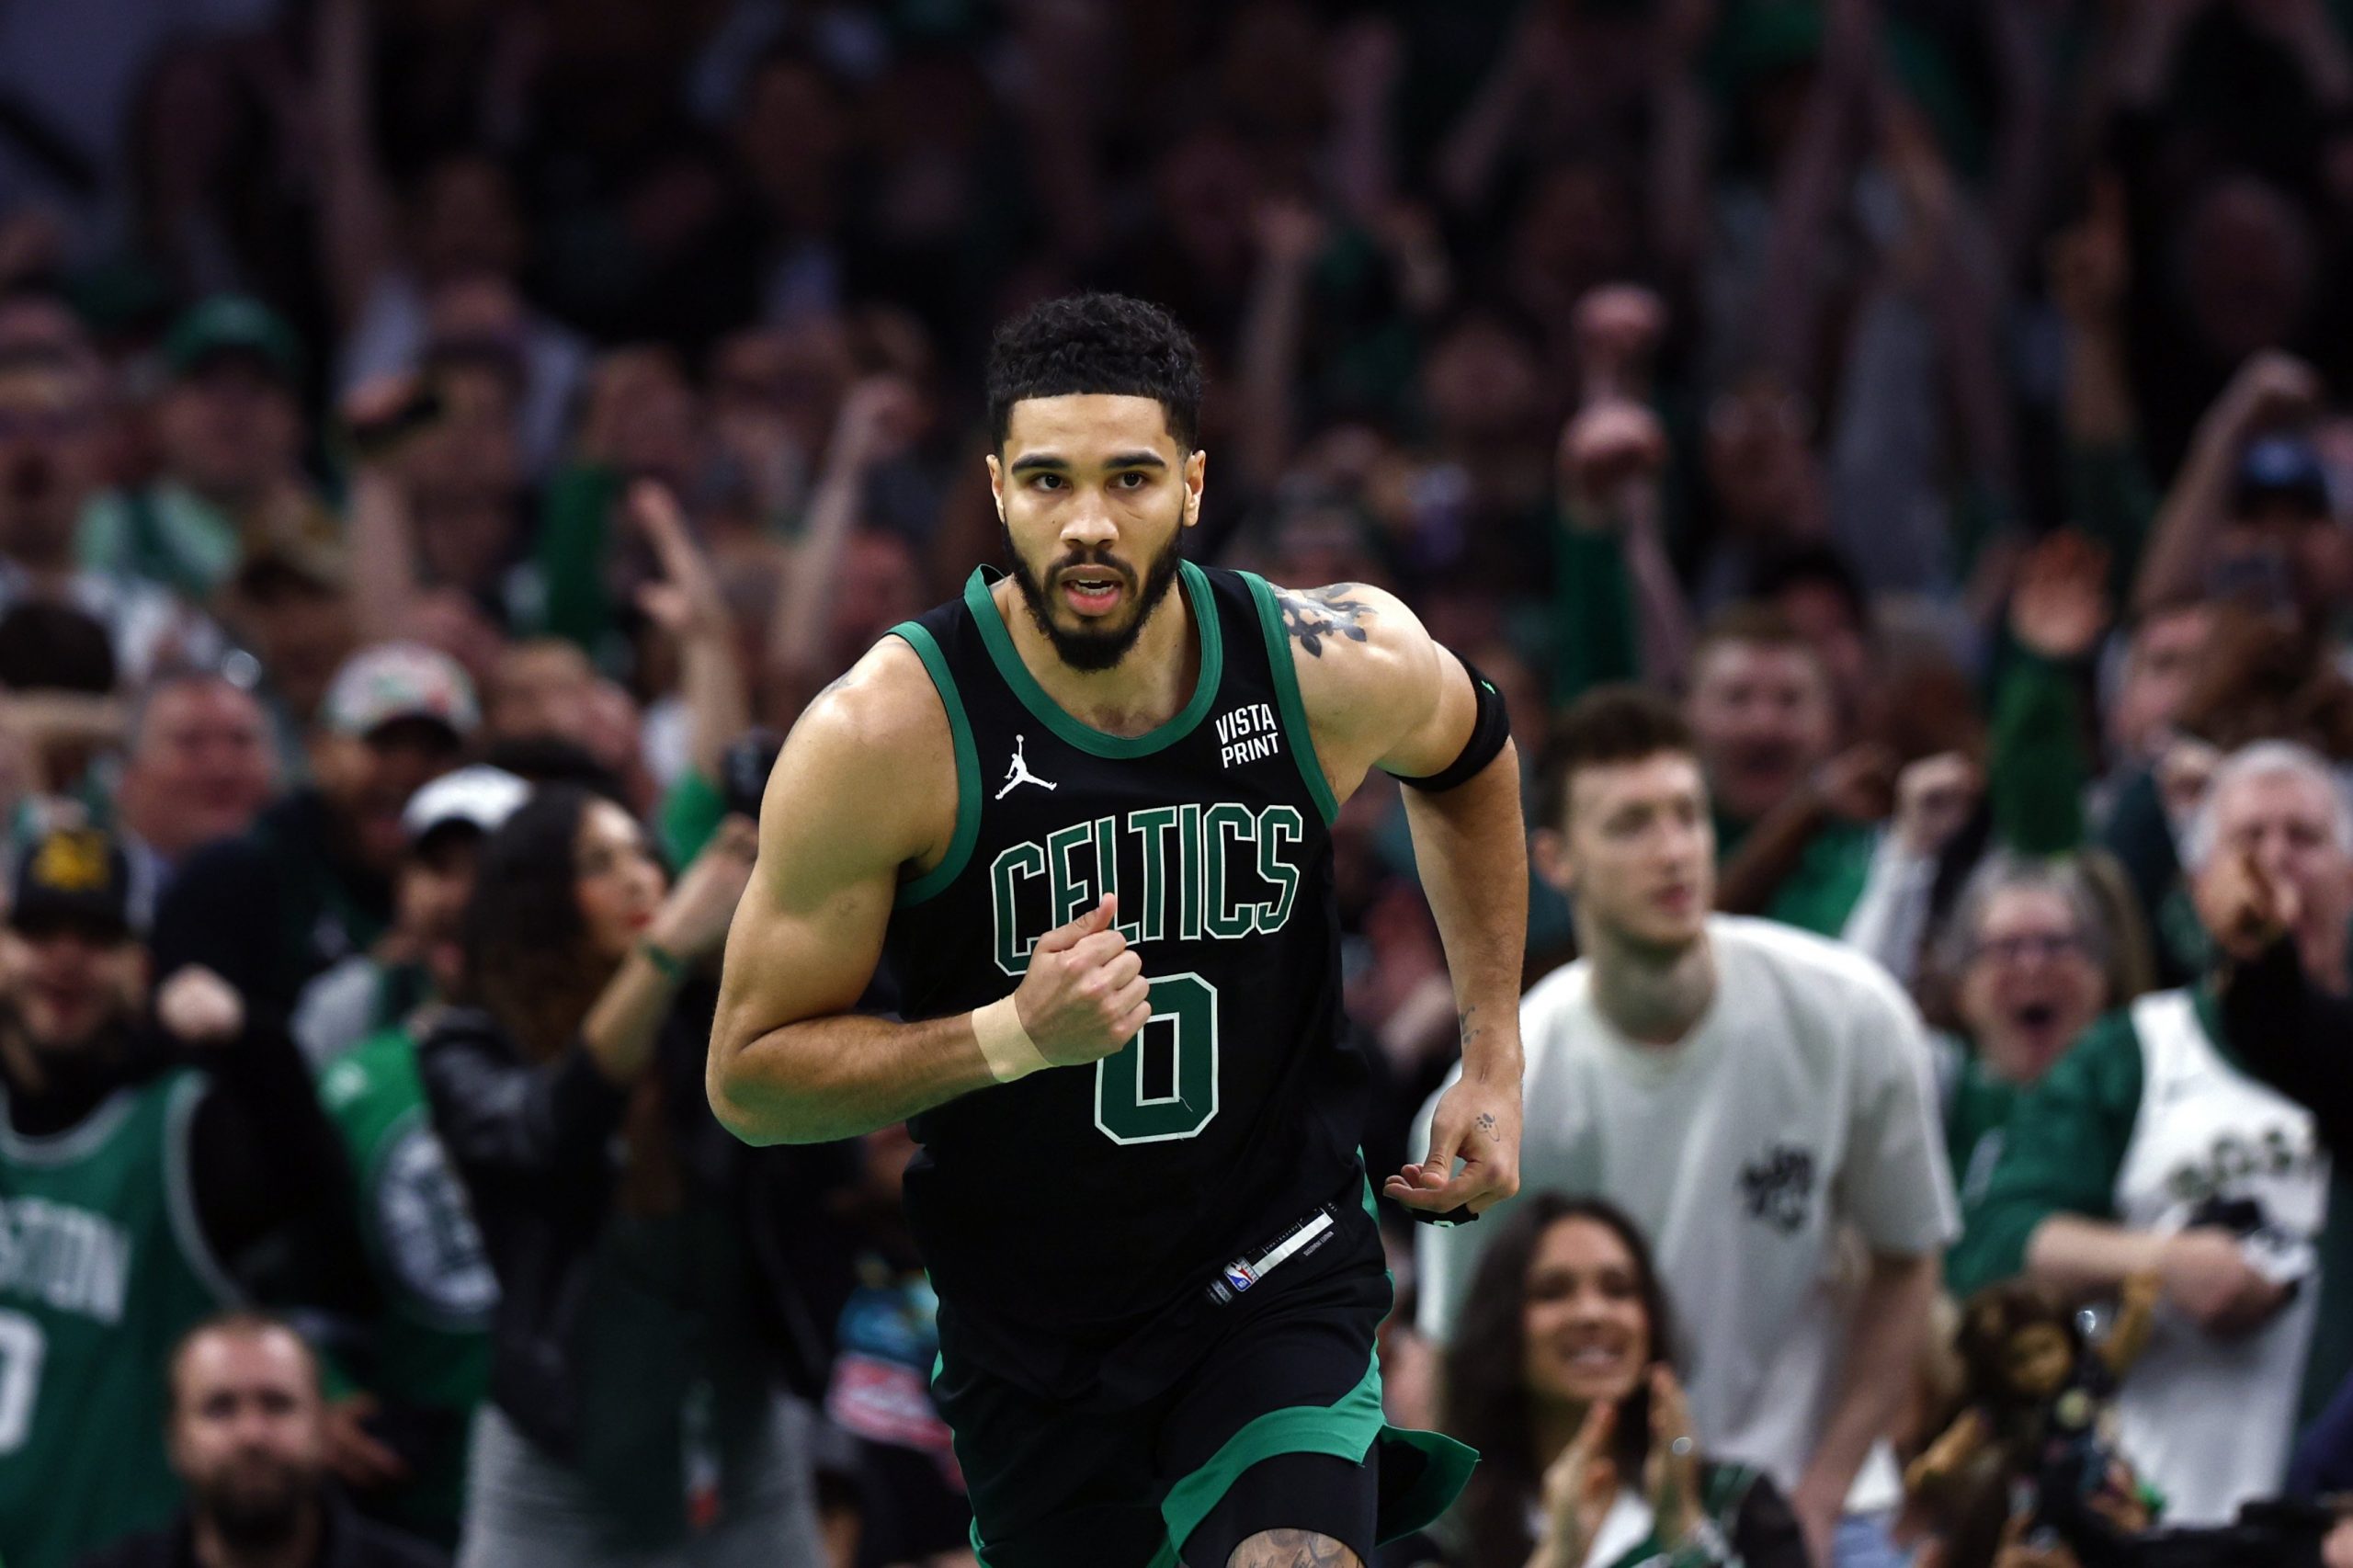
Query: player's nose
{"points": [[1087, 525]]}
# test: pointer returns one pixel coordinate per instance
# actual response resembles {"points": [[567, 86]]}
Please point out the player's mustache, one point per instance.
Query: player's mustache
{"points": [[1094, 563]]}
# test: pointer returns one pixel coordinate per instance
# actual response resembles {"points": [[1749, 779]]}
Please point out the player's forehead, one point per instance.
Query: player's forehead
{"points": [[1088, 429]]}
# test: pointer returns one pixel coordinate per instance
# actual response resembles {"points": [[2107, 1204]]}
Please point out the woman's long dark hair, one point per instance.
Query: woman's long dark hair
{"points": [[527, 958], [1488, 1404]]}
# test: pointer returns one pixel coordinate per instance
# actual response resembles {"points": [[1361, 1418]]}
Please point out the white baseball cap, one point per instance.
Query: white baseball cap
{"points": [[482, 796]]}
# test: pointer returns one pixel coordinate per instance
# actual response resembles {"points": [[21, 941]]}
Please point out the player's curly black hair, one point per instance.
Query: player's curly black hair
{"points": [[1097, 343]]}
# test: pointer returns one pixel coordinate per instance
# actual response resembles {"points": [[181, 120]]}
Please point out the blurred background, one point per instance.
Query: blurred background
{"points": [[1948, 400]]}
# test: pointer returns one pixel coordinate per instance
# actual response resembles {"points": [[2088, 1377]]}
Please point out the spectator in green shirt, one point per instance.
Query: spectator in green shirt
{"points": [[2026, 954], [1792, 812]]}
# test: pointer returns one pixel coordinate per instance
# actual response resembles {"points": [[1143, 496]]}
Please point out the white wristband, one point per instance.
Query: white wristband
{"points": [[1004, 1044]]}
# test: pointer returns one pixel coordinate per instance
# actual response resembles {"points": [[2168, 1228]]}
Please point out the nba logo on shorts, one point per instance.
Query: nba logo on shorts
{"points": [[1240, 1276]]}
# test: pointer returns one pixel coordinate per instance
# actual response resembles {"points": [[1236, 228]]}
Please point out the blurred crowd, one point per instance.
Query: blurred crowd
{"points": [[443, 444]]}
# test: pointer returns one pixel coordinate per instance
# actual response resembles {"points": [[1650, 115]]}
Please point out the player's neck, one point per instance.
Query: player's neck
{"points": [[1135, 697], [1653, 996]]}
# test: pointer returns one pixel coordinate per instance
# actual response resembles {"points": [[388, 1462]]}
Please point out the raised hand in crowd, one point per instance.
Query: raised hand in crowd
{"points": [[2059, 606], [877, 421], [2272, 388], [1858, 783], [1933, 799], [692, 923], [1617, 330], [197, 1008], [1610, 450], [2090, 262], [685, 600]]}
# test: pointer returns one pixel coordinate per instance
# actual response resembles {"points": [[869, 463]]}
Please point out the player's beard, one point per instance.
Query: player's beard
{"points": [[1090, 649]]}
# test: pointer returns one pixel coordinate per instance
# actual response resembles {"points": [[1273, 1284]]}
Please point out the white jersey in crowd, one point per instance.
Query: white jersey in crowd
{"points": [[1803, 1104], [2210, 1421]]}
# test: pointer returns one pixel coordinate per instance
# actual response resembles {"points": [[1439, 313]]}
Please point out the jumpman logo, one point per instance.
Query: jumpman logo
{"points": [[1018, 772]]}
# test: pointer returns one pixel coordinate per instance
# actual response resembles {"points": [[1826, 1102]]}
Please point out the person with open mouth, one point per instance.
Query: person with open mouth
{"points": [[2026, 956]]}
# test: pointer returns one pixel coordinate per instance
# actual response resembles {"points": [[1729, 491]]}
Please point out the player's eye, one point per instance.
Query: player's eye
{"points": [[1132, 479], [1045, 481]]}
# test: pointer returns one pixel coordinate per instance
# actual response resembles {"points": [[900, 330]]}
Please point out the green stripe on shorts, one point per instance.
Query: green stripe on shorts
{"points": [[1346, 1431]]}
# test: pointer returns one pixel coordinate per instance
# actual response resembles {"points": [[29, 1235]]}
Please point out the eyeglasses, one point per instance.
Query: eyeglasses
{"points": [[2045, 945]]}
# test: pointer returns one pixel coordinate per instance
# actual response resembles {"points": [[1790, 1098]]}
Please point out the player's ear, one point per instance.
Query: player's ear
{"points": [[1195, 470], [1550, 849], [996, 484]]}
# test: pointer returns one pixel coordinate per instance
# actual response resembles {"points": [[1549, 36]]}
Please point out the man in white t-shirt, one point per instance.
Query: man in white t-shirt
{"points": [[1752, 1096]]}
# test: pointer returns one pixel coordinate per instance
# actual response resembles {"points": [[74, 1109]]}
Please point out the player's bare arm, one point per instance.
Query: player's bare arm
{"points": [[863, 796], [1380, 693]]}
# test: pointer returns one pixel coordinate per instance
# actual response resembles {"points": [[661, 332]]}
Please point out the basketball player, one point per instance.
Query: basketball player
{"points": [[1083, 813]]}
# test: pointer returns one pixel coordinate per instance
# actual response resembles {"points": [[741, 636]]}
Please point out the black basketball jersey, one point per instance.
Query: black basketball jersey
{"points": [[1078, 1222]]}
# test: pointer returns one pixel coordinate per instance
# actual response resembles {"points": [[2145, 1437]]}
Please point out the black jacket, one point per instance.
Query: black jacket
{"points": [[271, 908], [348, 1541], [536, 1147]]}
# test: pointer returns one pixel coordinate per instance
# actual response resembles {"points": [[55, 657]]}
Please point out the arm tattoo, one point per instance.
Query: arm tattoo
{"points": [[1292, 1548], [1311, 614]]}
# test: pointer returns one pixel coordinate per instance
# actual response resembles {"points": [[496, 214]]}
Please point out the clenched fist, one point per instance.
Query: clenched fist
{"points": [[1085, 995]]}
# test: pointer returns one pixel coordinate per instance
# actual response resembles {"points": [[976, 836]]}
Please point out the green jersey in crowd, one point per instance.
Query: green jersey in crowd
{"points": [[102, 1268], [429, 1351]]}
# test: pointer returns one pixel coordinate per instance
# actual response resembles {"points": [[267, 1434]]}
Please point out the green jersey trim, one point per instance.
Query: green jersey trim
{"points": [[1287, 697], [1085, 737], [76, 1142], [968, 765], [179, 1190]]}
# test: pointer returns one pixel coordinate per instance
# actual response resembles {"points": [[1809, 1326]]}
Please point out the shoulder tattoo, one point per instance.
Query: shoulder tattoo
{"points": [[1310, 615]]}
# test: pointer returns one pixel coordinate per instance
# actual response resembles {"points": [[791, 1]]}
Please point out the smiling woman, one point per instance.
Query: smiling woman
{"points": [[1561, 1374]]}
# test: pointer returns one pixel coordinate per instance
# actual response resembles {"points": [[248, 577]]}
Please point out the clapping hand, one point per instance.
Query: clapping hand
{"points": [[1579, 1486], [1671, 1473]]}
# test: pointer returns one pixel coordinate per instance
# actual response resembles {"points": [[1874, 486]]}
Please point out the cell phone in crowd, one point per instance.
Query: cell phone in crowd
{"points": [[744, 771], [2258, 578]]}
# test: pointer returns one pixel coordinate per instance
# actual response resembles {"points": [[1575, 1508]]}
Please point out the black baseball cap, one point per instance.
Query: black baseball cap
{"points": [[72, 877]]}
